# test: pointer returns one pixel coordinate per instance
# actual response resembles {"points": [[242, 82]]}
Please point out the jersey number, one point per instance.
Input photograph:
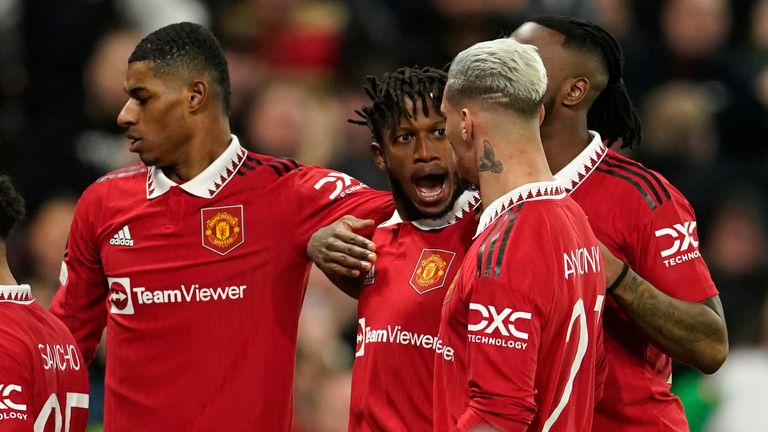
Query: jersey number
{"points": [[51, 406], [581, 349]]}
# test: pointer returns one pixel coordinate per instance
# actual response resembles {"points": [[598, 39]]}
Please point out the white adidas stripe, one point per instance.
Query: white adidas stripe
{"points": [[122, 238]]}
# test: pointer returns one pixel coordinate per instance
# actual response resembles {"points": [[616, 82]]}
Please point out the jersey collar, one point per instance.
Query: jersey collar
{"points": [[16, 294], [206, 184], [582, 165], [527, 192], [465, 203]]}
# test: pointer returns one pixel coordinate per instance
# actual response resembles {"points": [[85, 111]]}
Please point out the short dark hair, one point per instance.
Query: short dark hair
{"points": [[388, 97], [612, 115], [186, 46], [11, 207]]}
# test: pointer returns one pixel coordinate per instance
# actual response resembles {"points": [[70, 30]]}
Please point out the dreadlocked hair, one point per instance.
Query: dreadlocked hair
{"points": [[11, 207], [389, 95], [189, 47], [612, 115]]}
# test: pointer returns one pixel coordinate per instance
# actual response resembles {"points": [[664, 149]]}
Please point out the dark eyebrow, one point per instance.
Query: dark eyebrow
{"points": [[136, 92]]}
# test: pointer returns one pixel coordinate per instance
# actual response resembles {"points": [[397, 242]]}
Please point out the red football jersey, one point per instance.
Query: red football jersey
{"points": [[521, 325], [200, 286], [645, 221], [43, 377], [398, 316]]}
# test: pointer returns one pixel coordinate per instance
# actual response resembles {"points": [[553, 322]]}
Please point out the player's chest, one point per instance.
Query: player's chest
{"points": [[411, 274], [175, 231]]}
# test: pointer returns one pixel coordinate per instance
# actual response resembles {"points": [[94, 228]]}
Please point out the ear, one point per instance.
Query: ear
{"points": [[198, 93], [576, 91], [466, 125], [542, 114], [378, 156]]}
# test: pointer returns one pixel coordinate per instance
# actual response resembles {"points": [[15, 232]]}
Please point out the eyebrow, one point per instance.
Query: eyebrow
{"points": [[407, 125], [136, 91]]}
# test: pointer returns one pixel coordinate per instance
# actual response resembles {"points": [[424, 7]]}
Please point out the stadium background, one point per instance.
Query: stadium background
{"points": [[697, 70]]}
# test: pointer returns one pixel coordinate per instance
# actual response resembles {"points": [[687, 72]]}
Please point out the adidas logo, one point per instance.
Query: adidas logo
{"points": [[122, 238]]}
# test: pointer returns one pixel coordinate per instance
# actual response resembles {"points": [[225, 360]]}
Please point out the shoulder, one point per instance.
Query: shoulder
{"points": [[631, 184], [126, 174], [270, 166], [127, 179], [288, 171]]}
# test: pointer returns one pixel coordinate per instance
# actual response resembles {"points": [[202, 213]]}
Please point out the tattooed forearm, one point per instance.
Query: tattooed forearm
{"points": [[694, 333], [488, 161]]}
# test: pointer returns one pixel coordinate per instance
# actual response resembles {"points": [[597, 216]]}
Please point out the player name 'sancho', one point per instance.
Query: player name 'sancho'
{"points": [[190, 293]]}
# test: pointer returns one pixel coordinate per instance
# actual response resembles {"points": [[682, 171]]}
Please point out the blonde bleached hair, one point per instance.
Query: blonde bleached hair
{"points": [[502, 72]]}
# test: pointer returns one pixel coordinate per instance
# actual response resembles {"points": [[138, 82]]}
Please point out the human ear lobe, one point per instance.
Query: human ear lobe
{"points": [[466, 125], [198, 92], [576, 92], [378, 156]]}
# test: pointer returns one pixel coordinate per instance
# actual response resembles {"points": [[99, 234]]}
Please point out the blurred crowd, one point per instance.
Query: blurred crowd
{"points": [[696, 69]]}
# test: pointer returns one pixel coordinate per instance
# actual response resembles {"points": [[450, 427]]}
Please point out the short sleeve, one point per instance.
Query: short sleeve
{"points": [[666, 252]]}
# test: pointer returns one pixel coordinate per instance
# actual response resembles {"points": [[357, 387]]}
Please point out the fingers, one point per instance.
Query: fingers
{"points": [[349, 224], [339, 264], [353, 256]]}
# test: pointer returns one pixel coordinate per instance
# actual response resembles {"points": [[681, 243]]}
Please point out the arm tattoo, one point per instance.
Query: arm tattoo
{"points": [[488, 162], [660, 310]]}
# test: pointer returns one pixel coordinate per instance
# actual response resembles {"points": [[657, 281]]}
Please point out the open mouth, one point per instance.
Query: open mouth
{"points": [[430, 188]]}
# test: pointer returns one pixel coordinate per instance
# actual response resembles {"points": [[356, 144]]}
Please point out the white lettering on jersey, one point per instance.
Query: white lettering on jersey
{"points": [[193, 292], [684, 239], [579, 262], [122, 238], [59, 357], [497, 321], [397, 335], [341, 184], [5, 398]]}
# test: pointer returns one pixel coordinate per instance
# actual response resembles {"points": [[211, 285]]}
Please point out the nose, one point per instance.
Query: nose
{"points": [[128, 115], [425, 150]]}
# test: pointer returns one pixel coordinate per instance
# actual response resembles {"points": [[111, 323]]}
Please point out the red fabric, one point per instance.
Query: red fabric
{"points": [[397, 331], [40, 370], [622, 218], [211, 342], [511, 360]]}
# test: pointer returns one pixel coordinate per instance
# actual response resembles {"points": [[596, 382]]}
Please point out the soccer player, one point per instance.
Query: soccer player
{"points": [[196, 260], [520, 324], [43, 377], [666, 305], [418, 251]]}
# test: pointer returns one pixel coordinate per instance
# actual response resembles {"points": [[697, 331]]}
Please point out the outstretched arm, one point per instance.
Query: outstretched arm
{"points": [[694, 333], [343, 255]]}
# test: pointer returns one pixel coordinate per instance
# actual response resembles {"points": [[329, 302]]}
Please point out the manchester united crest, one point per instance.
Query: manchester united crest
{"points": [[431, 270], [222, 228]]}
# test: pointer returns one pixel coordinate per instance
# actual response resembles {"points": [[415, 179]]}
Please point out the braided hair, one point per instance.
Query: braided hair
{"points": [[188, 47], [388, 97], [613, 114], [11, 207]]}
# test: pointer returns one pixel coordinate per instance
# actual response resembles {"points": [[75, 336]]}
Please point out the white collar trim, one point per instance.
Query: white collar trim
{"points": [[206, 184], [582, 165], [21, 294], [465, 203], [527, 192]]}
